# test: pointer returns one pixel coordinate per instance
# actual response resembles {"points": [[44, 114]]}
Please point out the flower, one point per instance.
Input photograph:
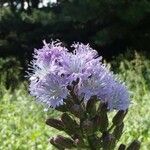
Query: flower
{"points": [[119, 97], [80, 63], [54, 68], [51, 90]]}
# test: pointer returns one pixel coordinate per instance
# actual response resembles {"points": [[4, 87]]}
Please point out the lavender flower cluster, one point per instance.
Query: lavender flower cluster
{"points": [[54, 68]]}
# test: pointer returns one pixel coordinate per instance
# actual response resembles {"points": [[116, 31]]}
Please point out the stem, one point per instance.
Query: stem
{"points": [[111, 128], [91, 142], [74, 97]]}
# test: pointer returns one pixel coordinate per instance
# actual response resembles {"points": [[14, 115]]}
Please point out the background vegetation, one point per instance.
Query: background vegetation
{"points": [[110, 26], [22, 121]]}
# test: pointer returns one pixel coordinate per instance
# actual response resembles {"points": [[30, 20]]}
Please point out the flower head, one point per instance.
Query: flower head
{"points": [[51, 90], [54, 68]]}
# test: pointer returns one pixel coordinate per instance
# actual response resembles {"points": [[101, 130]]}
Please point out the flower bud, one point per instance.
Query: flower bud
{"points": [[102, 107], [69, 103], [104, 123], [108, 141], [135, 145], [64, 142], [91, 106], [118, 118], [70, 125], [61, 108], [102, 117], [97, 142], [55, 123], [96, 122], [118, 131], [77, 111], [87, 126], [58, 146]]}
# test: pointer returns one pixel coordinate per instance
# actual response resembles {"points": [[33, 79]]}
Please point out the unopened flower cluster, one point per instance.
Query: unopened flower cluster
{"points": [[54, 68]]}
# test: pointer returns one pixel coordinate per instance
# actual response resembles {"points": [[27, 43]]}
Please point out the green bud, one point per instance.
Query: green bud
{"points": [[102, 107], [61, 108], [55, 123], [77, 111], [122, 147], [91, 106], [135, 145], [96, 121], [70, 125], [104, 123], [64, 142], [92, 142], [58, 146], [87, 126], [102, 117], [118, 131], [97, 143], [68, 103], [118, 118], [108, 141]]}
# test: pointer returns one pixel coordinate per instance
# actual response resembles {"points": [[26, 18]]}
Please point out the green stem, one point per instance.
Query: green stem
{"points": [[91, 142], [111, 128]]}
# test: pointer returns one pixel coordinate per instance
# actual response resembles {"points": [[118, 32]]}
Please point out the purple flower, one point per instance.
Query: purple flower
{"points": [[54, 68], [80, 63], [119, 97], [51, 90]]}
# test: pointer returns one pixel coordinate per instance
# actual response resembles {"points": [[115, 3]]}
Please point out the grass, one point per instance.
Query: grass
{"points": [[22, 120]]}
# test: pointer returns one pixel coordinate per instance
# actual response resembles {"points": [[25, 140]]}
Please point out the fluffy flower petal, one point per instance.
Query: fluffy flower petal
{"points": [[54, 68]]}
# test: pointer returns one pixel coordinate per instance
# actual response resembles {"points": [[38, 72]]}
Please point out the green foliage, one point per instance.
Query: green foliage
{"points": [[136, 73], [105, 21], [134, 64], [21, 32], [10, 73], [108, 25], [22, 121]]}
